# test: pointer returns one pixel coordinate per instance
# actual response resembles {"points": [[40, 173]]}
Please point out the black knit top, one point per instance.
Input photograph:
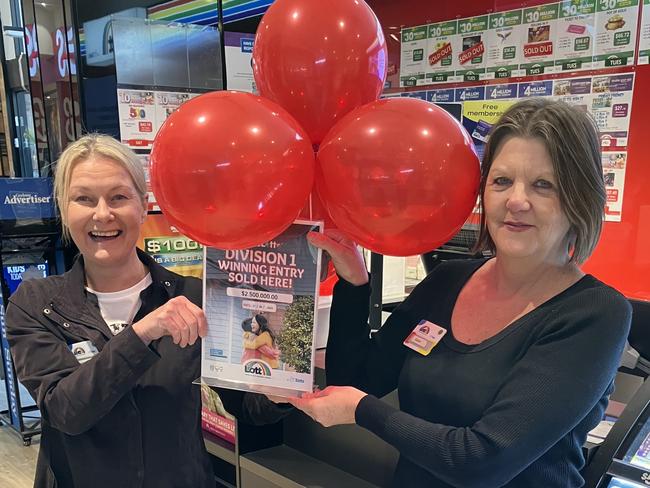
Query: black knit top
{"points": [[511, 411]]}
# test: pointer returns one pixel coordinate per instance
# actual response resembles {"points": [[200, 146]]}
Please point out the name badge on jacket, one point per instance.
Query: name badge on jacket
{"points": [[83, 351]]}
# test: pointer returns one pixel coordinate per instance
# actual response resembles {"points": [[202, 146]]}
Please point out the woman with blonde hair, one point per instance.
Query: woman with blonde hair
{"points": [[109, 350]]}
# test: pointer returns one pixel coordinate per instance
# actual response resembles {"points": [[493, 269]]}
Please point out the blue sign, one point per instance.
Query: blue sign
{"points": [[470, 93], [15, 273], [26, 198], [246, 45], [536, 89], [422, 95], [441, 96], [497, 92]]}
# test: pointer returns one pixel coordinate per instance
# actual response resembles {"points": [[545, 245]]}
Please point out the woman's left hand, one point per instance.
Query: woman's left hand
{"points": [[335, 405]]}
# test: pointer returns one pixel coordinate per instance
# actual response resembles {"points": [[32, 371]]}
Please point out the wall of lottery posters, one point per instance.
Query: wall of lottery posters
{"points": [[557, 37], [621, 258], [607, 97]]}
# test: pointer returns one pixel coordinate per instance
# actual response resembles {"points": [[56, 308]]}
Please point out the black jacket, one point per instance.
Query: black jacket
{"points": [[129, 417]]}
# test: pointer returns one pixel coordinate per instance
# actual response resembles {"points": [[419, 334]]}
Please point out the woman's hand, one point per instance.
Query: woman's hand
{"points": [[335, 405], [178, 318], [347, 259]]}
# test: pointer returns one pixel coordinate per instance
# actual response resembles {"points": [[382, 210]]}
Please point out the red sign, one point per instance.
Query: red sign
{"points": [[441, 53], [137, 142], [145, 126], [538, 49], [391, 69], [471, 53]]}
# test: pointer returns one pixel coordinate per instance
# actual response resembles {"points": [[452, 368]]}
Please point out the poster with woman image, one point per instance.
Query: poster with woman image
{"points": [[260, 304]]}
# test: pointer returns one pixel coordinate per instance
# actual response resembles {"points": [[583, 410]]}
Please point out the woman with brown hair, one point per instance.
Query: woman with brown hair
{"points": [[523, 347]]}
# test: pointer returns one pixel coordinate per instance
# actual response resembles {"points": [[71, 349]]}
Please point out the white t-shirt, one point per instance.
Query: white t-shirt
{"points": [[118, 308]]}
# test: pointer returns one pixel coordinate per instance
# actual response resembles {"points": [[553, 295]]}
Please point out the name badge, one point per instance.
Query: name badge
{"points": [[424, 337], [83, 351]]}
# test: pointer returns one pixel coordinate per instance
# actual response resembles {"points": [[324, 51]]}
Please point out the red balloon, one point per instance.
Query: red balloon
{"points": [[231, 170], [319, 59], [400, 176]]}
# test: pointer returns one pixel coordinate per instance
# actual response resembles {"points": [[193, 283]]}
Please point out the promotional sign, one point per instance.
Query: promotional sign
{"points": [[137, 114], [574, 45], [239, 58], [536, 89], [214, 416], [412, 56], [260, 304], [166, 103], [469, 93], [540, 25], [480, 116], [616, 24], [14, 273], [505, 41], [422, 95], [500, 92], [611, 103], [170, 248], [644, 37], [614, 164], [26, 198], [443, 48], [152, 204], [473, 39], [574, 91], [441, 96]]}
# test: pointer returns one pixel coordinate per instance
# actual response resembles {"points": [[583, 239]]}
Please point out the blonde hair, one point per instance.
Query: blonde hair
{"points": [[83, 149]]}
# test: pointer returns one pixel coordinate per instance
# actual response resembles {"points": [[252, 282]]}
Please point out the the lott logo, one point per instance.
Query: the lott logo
{"points": [[256, 367], [25, 198]]}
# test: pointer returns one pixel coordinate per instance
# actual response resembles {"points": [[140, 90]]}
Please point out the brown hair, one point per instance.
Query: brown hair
{"points": [[571, 139]]}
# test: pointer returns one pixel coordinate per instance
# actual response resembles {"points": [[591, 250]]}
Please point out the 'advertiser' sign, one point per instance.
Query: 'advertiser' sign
{"points": [[26, 198]]}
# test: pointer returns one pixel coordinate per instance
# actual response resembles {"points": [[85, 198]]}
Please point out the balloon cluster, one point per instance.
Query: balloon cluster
{"points": [[233, 170]]}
